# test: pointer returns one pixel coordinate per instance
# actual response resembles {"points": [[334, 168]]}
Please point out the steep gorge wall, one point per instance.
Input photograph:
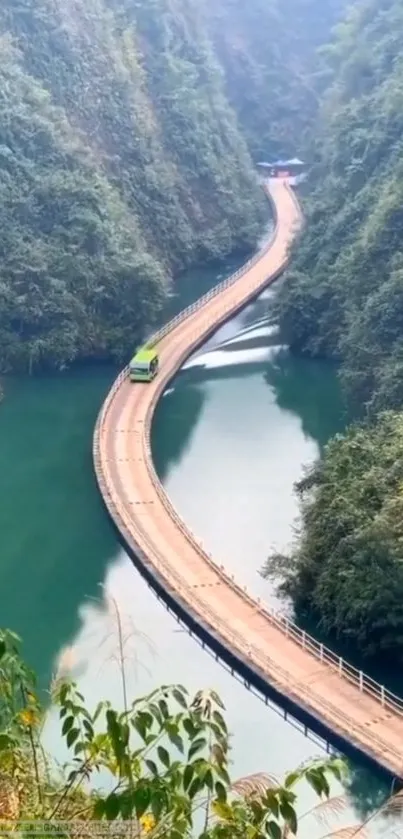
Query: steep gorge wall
{"points": [[118, 140], [123, 158]]}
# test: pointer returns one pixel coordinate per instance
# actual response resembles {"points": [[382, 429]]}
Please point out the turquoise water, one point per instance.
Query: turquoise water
{"points": [[232, 435], [230, 439]]}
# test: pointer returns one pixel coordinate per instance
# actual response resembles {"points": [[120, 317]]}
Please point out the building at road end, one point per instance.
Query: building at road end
{"points": [[294, 169]]}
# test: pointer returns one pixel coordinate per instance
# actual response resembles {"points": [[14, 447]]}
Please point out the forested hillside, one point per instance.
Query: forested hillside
{"points": [[273, 77], [69, 245], [123, 162], [343, 299], [344, 296], [346, 566]]}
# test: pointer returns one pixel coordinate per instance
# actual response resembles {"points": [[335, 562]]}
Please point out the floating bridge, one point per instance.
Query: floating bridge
{"points": [[267, 650]]}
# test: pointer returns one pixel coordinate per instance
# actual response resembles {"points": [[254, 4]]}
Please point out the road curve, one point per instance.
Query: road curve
{"points": [[271, 649]]}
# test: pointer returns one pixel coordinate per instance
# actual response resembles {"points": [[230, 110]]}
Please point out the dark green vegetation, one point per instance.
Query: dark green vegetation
{"points": [[273, 77], [347, 565], [166, 754], [121, 162], [343, 299], [69, 246], [57, 540]]}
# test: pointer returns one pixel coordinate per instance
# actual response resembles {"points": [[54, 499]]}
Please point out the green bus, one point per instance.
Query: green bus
{"points": [[144, 365]]}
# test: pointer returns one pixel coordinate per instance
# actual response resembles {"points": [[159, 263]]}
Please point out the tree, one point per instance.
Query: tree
{"points": [[342, 296], [167, 760], [272, 81], [166, 756], [347, 564], [120, 164]]}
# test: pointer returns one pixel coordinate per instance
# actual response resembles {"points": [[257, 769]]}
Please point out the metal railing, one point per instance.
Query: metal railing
{"points": [[255, 658], [365, 684], [217, 289]]}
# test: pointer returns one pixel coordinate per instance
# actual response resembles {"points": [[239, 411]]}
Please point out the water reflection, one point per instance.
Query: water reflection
{"points": [[242, 459], [56, 539], [159, 651], [229, 445], [297, 384], [184, 407]]}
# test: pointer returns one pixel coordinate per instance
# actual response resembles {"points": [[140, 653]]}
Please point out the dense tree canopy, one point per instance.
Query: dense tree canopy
{"points": [[69, 246], [121, 162], [273, 78], [121, 158], [140, 81], [343, 299], [347, 564], [344, 295]]}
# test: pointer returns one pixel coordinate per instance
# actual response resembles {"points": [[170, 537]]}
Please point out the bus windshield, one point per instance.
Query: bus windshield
{"points": [[135, 368]]}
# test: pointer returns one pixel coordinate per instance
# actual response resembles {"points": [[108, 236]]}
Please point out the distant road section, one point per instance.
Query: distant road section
{"points": [[267, 650]]}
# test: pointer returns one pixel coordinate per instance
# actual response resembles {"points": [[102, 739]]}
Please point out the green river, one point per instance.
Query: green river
{"points": [[230, 438]]}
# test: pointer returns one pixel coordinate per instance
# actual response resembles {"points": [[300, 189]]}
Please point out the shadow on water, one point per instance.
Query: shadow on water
{"points": [[182, 403], [57, 542], [180, 411], [297, 382], [183, 406], [56, 539], [367, 791], [306, 390]]}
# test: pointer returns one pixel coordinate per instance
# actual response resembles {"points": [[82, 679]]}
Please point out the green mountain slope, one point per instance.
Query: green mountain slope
{"points": [[128, 137], [69, 246], [273, 80], [344, 296], [124, 156]]}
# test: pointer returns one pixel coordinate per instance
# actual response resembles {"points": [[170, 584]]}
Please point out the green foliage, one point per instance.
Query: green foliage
{"points": [[166, 756], [69, 247], [268, 51], [347, 565], [120, 162], [343, 297]]}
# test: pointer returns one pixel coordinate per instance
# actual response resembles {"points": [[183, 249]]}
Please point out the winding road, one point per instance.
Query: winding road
{"points": [[264, 647]]}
